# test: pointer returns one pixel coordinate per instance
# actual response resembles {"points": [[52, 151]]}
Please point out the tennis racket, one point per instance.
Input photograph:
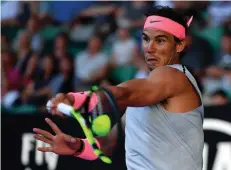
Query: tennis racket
{"points": [[99, 121]]}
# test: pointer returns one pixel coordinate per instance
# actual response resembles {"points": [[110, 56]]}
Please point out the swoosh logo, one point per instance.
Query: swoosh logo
{"points": [[151, 21]]}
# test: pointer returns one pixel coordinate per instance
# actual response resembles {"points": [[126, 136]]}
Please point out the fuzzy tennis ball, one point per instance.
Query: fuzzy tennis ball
{"points": [[101, 125]]}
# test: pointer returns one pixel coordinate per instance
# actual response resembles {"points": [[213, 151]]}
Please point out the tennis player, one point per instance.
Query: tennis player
{"points": [[164, 116]]}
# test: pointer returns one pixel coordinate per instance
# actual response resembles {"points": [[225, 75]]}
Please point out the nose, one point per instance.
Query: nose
{"points": [[151, 47]]}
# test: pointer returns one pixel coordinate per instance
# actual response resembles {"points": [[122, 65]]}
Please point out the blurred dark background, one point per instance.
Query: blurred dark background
{"points": [[62, 46]]}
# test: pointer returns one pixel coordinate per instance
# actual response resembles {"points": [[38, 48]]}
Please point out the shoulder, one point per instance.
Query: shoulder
{"points": [[167, 73], [171, 77]]}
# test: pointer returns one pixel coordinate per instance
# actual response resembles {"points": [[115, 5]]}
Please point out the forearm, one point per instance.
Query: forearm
{"points": [[130, 93]]}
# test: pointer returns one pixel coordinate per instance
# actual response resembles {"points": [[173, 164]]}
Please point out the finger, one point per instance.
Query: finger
{"points": [[53, 126], [53, 106], [42, 138], [52, 102], [60, 96], [66, 101], [45, 149], [43, 133]]}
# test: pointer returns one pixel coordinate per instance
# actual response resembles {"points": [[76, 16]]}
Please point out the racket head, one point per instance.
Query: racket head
{"points": [[106, 113], [101, 119]]}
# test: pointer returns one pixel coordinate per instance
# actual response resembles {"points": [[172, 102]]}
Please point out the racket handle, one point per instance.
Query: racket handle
{"points": [[48, 106], [65, 109]]}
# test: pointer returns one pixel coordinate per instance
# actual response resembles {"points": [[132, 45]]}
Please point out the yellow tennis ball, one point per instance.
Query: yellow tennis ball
{"points": [[101, 125]]}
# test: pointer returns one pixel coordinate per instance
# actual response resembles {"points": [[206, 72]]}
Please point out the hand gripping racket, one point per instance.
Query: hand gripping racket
{"points": [[92, 122]]}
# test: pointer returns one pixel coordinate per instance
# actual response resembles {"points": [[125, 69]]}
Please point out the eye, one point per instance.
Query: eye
{"points": [[145, 38], [160, 41]]}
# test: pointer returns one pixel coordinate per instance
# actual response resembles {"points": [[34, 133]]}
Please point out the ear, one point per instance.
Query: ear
{"points": [[180, 46]]}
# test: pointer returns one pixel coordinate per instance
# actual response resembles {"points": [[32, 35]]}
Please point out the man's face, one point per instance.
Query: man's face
{"points": [[24, 41], [123, 33], [32, 25], [94, 44], [226, 44], [60, 43], [159, 48]]}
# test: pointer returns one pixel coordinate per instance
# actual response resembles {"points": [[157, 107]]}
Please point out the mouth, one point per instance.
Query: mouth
{"points": [[151, 59]]}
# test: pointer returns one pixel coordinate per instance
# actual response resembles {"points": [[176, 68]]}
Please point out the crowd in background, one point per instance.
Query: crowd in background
{"points": [[57, 47]]}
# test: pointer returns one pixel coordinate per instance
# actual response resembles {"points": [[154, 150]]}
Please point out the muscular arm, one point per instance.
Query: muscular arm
{"points": [[161, 84]]}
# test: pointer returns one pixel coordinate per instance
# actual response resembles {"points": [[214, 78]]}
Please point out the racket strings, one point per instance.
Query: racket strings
{"points": [[89, 116], [106, 105]]}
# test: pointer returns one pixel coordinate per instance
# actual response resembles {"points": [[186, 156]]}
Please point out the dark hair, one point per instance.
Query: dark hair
{"points": [[167, 12], [227, 31], [220, 92], [98, 36], [63, 35]]}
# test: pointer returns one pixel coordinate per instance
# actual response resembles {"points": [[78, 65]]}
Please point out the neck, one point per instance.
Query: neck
{"points": [[175, 60]]}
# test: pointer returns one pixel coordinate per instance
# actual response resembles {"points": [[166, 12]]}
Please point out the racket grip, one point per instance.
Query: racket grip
{"points": [[48, 106], [65, 109]]}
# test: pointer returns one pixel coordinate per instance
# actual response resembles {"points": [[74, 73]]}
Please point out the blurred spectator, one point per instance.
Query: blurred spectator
{"points": [[198, 55], [163, 3], [4, 43], [63, 82], [10, 10], [64, 12], [131, 14], [182, 6], [223, 65], [61, 46], [10, 75], [31, 69], [225, 61], [216, 17], [124, 49], [104, 15], [40, 9], [221, 72], [219, 98], [91, 65], [24, 52], [29, 78], [32, 29], [96, 18], [142, 72], [37, 91]]}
